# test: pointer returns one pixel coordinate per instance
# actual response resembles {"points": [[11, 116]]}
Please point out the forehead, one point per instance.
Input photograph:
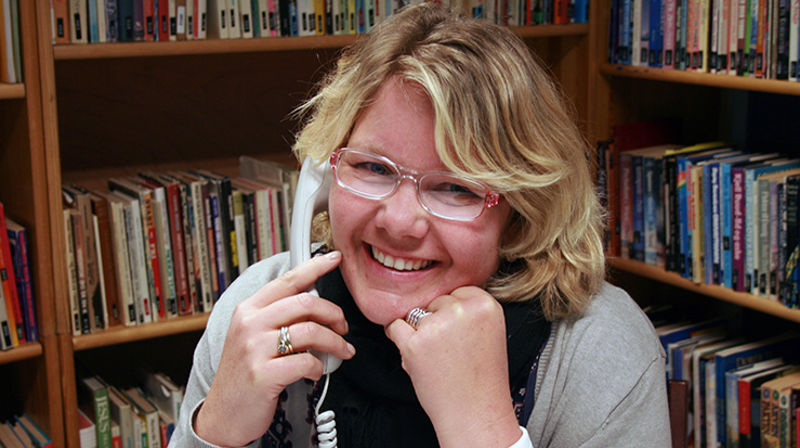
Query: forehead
{"points": [[399, 124]]}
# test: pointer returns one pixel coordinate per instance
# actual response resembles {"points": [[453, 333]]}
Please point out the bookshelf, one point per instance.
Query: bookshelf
{"points": [[711, 107], [30, 373], [93, 111]]}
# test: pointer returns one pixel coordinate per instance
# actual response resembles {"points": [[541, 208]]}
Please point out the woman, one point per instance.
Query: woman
{"points": [[463, 276]]}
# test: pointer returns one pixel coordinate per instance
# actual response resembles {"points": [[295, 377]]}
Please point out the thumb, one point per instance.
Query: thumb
{"points": [[399, 331]]}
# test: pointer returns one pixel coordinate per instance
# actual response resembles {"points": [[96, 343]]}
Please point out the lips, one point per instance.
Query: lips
{"points": [[399, 264]]}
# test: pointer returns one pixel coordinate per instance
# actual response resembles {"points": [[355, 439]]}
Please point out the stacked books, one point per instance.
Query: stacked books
{"points": [[163, 244], [755, 38], [17, 310], [169, 20], [710, 212]]}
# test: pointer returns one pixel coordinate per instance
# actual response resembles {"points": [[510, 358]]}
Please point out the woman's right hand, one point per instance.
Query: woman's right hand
{"points": [[252, 374]]}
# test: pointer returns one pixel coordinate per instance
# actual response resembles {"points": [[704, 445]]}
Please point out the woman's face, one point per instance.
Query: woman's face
{"points": [[439, 255]]}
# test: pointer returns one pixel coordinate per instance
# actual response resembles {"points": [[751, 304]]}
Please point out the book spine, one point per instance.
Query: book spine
{"points": [[192, 273], [19, 241], [649, 210], [739, 275], [727, 225], [80, 269], [151, 251], [716, 231], [776, 217], [169, 306], [138, 261], [669, 33], [179, 248], [762, 235], [201, 240], [789, 286], [127, 309], [9, 285], [109, 272]]}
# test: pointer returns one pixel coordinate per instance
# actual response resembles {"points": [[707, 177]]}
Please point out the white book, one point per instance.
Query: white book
{"points": [[122, 264], [794, 24], [137, 259], [78, 31], [102, 21], [189, 19], [234, 27], [101, 279], [246, 18]]}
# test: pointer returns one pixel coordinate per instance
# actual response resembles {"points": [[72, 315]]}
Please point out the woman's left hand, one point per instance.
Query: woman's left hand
{"points": [[457, 361]]}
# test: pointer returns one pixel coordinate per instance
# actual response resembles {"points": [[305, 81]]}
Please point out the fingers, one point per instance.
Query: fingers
{"points": [[311, 335], [399, 331], [303, 307], [297, 280]]}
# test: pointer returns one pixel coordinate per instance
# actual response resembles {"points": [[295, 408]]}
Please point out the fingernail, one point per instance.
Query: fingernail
{"points": [[351, 349], [335, 255]]}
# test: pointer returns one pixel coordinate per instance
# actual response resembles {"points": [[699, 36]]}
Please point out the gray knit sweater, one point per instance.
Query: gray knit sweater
{"points": [[600, 382]]}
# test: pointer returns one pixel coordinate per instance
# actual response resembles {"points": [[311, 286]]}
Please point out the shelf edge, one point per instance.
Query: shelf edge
{"points": [[121, 334], [25, 351], [704, 79], [746, 300], [12, 91]]}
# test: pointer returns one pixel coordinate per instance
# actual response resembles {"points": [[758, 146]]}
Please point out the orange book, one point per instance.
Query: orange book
{"points": [[60, 10]]}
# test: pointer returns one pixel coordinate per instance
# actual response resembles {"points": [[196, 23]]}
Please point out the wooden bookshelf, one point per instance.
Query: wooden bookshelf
{"points": [[258, 45], [725, 81], [121, 334], [25, 351], [762, 304]]}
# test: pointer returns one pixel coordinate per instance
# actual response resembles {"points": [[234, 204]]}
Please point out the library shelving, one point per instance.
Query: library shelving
{"points": [[30, 373], [749, 112], [92, 111]]}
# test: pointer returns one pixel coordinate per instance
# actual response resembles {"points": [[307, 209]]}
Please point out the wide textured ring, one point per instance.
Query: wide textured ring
{"points": [[415, 316], [284, 342]]}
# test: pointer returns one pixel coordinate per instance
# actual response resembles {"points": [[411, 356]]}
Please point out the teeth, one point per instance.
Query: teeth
{"points": [[399, 263]]}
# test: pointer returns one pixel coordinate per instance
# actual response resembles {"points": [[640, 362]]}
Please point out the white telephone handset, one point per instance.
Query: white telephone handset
{"points": [[311, 197]]}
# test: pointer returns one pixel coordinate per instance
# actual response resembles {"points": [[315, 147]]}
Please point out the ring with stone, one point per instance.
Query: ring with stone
{"points": [[284, 342], [415, 316]]}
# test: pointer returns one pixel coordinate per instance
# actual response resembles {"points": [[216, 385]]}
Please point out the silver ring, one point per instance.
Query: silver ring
{"points": [[415, 316], [284, 342]]}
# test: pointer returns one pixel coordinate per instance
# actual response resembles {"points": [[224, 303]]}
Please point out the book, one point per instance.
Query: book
{"points": [[770, 408], [140, 312], [9, 285], [732, 396], [94, 397], [7, 437], [86, 430], [22, 436], [164, 393], [60, 21], [121, 413], [108, 267], [678, 401], [148, 415], [72, 276]]}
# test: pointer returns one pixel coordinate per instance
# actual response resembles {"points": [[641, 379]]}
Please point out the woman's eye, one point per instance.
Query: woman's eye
{"points": [[373, 168]]}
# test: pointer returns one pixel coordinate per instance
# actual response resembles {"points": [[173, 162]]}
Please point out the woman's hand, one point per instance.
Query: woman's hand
{"points": [[458, 363], [251, 375]]}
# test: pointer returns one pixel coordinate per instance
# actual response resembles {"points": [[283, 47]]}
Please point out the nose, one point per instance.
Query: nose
{"points": [[401, 214]]}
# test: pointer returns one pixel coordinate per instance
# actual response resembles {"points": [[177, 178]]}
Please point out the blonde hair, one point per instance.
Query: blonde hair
{"points": [[499, 119]]}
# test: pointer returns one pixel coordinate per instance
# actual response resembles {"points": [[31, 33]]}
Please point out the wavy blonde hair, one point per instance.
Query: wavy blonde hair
{"points": [[499, 119]]}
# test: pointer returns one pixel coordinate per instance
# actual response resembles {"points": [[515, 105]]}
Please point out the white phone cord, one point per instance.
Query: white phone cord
{"points": [[326, 425]]}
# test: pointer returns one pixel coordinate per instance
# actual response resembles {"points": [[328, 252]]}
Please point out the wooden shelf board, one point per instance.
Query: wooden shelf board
{"points": [[121, 334], [227, 46], [751, 301], [572, 29], [703, 79], [12, 91], [24, 351]]}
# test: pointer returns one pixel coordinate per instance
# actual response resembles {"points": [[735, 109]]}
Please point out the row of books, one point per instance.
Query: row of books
{"points": [[23, 432], [756, 38], [740, 391], [139, 416], [163, 244], [712, 213], [17, 310], [89, 21], [10, 50]]}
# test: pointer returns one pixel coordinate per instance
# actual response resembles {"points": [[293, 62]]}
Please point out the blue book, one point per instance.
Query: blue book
{"points": [[656, 33], [745, 355], [709, 170], [638, 208], [125, 20], [732, 395], [94, 34], [581, 11], [18, 245]]}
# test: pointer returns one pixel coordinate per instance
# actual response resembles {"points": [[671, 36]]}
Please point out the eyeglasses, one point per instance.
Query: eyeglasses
{"points": [[442, 194]]}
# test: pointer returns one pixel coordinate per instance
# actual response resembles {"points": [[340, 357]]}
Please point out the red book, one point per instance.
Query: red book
{"points": [[150, 18], [163, 20], [15, 321]]}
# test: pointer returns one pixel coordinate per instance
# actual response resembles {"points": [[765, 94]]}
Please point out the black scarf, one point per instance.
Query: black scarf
{"points": [[372, 395]]}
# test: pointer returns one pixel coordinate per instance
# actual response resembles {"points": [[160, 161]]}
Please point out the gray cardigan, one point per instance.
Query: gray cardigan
{"points": [[600, 383]]}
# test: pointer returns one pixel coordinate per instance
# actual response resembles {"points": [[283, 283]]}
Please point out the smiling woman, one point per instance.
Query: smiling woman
{"points": [[462, 275]]}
